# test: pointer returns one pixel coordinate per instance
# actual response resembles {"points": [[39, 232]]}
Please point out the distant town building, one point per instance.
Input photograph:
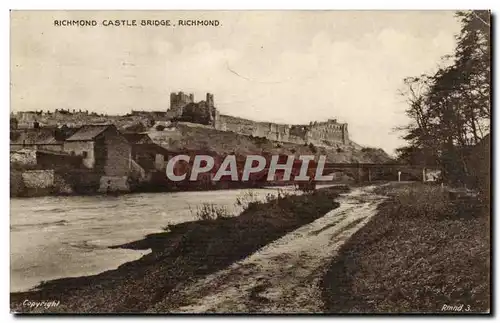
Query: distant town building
{"points": [[50, 138]]}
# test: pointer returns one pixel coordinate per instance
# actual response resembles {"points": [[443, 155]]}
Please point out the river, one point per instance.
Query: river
{"points": [[55, 237]]}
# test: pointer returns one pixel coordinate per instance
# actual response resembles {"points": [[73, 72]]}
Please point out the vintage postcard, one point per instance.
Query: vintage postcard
{"points": [[258, 162]]}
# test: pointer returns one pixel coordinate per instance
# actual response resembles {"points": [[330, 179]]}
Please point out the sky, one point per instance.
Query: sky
{"points": [[280, 66]]}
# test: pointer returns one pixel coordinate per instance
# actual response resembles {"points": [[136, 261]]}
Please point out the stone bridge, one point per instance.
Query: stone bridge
{"points": [[362, 172], [367, 172]]}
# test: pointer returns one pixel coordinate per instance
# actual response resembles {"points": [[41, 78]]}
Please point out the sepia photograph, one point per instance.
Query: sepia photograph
{"points": [[250, 162]]}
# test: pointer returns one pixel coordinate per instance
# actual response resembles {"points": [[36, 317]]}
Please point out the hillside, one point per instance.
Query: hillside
{"points": [[185, 136]]}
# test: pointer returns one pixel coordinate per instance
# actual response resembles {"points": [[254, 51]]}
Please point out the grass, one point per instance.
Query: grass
{"points": [[210, 211], [420, 252], [185, 252]]}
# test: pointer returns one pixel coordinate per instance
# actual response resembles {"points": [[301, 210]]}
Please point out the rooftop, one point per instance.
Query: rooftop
{"points": [[89, 132], [42, 136]]}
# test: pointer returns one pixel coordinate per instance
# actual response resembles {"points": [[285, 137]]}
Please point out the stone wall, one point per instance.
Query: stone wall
{"points": [[110, 184], [62, 186], [38, 179], [16, 183], [23, 157], [320, 133], [119, 154]]}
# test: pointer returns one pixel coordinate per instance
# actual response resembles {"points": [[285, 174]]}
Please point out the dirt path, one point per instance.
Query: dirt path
{"points": [[283, 276]]}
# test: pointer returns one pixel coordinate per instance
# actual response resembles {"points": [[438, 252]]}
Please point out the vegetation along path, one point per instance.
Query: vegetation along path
{"points": [[283, 276]]}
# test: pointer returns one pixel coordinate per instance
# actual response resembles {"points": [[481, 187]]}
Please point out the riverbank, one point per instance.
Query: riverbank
{"points": [[58, 237], [420, 252], [57, 187], [284, 276], [184, 253], [48, 182]]}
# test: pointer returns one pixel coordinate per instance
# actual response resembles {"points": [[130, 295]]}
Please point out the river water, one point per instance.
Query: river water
{"points": [[56, 237]]}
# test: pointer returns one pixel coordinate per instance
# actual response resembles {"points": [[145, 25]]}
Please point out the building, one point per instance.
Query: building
{"points": [[103, 149], [137, 138], [145, 152], [47, 138]]}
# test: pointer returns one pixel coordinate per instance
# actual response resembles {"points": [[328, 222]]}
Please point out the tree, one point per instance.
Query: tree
{"points": [[450, 111], [160, 127]]}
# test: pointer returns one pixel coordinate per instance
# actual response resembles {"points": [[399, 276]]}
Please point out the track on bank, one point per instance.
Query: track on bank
{"points": [[283, 276]]}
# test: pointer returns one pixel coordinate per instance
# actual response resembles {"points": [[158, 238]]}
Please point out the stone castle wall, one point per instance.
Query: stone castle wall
{"points": [[329, 132], [185, 109], [269, 130]]}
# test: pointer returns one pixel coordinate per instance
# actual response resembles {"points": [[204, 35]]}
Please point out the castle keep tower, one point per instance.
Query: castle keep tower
{"points": [[184, 108], [210, 100], [178, 101]]}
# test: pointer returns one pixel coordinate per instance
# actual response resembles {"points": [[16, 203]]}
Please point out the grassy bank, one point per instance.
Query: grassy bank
{"points": [[181, 254], [420, 252]]}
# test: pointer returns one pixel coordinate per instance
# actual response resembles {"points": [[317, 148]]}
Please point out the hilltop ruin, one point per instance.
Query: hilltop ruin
{"points": [[184, 108]]}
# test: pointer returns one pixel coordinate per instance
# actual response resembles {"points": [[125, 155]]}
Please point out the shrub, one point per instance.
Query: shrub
{"points": [[368, 149], [276, 197], [307, 187], [423, 201], [313, 148], [246, 200], [210, 211]]}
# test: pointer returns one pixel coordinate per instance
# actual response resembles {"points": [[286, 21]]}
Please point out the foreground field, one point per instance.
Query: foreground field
{"points": [[386, 248], [422, 252]]}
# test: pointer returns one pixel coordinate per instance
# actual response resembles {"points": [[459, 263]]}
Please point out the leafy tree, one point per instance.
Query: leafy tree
{"points": [[450, 111], [160, 127]]}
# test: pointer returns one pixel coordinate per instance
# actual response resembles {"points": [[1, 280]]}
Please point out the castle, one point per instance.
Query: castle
{"points": [[184, 108]]}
